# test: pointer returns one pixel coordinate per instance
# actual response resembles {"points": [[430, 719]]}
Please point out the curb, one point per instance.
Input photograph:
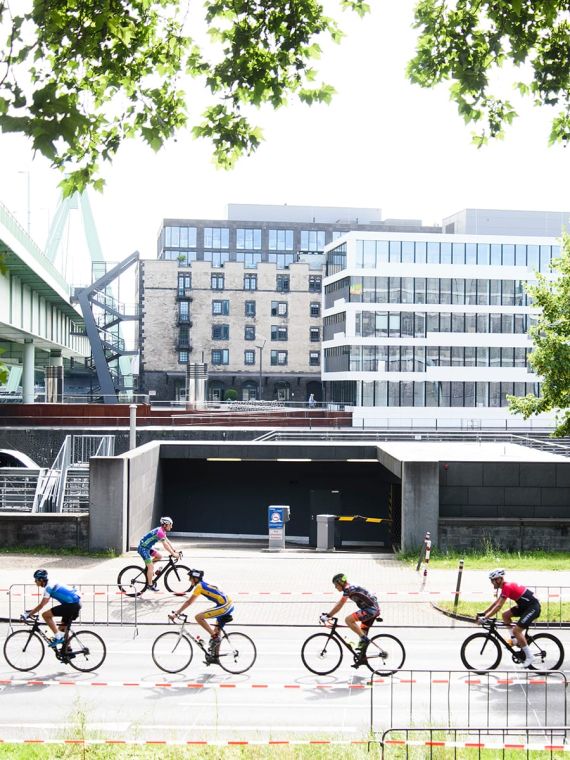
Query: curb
{"points": [[468, 619]]}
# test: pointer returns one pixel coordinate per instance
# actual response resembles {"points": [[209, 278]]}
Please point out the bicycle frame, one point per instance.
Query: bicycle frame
{"points": [[210, 658], [335, 635], [168, 563], [492, 633], [60, 654]]}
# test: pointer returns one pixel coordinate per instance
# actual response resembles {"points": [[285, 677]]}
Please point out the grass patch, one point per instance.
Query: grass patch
{"points": [[490, 556], [552, 612], [59, 552]]}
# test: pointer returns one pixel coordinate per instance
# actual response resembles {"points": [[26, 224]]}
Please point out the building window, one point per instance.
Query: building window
{"points": [[249, 332], [220, 332], [315, 334], [184, 283], [278, 308], [220, 356], [216, 237], [184, 337], [315, 309], [280, 240], [250, 308], [180, 237], [278, 332], [282, 283], [315, 283], [278, 358], [248, 240], [217, 281], [249, 357], [313, 240], [183, 312], [314, 358], [250, 282], [221, 308], [183, 357]]}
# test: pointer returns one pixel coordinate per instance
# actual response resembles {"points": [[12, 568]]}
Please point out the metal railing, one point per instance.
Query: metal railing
{"points": [[463, 698], [18, 487], [101, 604], [481, 742]]}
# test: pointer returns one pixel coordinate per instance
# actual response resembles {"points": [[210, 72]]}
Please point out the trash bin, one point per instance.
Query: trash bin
{"points": [[326, 533]]}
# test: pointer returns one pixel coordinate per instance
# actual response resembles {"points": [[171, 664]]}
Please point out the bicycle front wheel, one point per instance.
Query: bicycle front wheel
{"points": [[172, 652], [384, 654], [236, 652], [24, 650], [132, 580], [480, 653], [321, 654], [176, 579], [547, 650], [86, 651]]}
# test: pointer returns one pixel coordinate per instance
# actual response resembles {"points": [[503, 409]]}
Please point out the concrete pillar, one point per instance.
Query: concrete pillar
{"points": [[420, 502], [28, 377], [132, 426], [54, 378], [108, 488]]}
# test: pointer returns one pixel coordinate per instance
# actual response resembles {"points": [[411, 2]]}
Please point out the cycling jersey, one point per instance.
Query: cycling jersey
{"points": [[62, 594], [152, 537], [212, 593], [361, 597], [519, 594]]}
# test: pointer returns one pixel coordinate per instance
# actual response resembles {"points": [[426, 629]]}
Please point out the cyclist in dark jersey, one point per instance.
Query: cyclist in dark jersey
{"points": [[368, 610], [527, 609]]}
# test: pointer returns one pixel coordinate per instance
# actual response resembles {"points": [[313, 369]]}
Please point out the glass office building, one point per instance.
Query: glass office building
{"points": [[430, 325]]}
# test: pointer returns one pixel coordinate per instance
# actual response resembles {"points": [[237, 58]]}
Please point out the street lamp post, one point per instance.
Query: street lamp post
{"points": [[261, 347]]}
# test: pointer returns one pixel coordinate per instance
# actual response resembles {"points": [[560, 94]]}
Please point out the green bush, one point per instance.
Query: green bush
{"points": [[230, 394]]}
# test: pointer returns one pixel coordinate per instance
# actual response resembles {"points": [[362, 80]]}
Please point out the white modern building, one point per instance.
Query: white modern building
{"points": [[423, 329]]}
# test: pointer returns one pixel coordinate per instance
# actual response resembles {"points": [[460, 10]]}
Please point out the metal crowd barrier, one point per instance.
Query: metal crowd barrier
{"points": [[101, 604], [464, 698], [482, 743]]}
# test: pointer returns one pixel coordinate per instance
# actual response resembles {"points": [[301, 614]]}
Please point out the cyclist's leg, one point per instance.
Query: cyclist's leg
{"points": [[155, 556], [527, 616], [145, 555], [68, 615], [202, 618], [49, 618]]}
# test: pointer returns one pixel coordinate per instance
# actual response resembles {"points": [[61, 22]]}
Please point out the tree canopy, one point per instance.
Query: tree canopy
{"points": [[550, 357], [78, 77], [465, 42]]}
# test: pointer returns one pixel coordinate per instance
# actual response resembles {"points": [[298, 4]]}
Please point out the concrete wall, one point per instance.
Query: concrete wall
{"points": [[144, 489], [505, 534], [56, 531], [420, 502], [108, 503]]}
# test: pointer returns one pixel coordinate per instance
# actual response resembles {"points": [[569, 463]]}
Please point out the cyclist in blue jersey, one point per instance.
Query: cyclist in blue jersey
{"points": [[223, 606], [149, 554], [68, 608], [368, 610]]}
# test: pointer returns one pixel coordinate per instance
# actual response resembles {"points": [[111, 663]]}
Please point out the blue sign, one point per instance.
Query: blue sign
{"points": [[275, 517]]}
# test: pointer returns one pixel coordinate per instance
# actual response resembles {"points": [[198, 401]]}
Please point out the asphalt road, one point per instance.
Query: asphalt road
{"points": [[130, 698]]}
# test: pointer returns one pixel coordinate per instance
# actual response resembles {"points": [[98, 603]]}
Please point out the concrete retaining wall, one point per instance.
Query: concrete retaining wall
{"points": [[144, 473], [108, 499], [56, 531], [507, 534]]}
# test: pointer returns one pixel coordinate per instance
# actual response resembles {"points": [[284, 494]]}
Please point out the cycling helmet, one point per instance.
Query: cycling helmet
{"points": [[498, 573], [41, 575], [166, 521], [339, 578], [198, 574]]}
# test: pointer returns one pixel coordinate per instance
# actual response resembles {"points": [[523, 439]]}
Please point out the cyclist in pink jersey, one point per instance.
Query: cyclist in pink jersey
{"points": [[526, 608]]}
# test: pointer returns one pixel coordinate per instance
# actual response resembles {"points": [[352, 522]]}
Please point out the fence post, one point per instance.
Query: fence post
{"points": [[458, 586], [423, 550], [428, 551]]}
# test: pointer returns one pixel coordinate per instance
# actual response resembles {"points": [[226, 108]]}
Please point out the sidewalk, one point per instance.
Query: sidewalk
{"points": [[291, 587]]}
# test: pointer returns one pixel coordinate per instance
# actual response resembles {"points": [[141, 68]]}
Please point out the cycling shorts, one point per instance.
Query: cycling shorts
{"points": [[367, 615], [147, 554], [526, 613], [221, 609], [67, 612]]}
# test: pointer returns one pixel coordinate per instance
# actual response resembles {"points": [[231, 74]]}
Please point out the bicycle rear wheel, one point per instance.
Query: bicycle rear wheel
{"points": [[172, 652], [24, 650], [236, 652], [384, 654], [480, 653], [132, 580], [176, 579], [86, 651], [547, 650], [321, 654]]}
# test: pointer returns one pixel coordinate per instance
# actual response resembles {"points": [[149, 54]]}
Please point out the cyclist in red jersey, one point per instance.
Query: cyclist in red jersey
{"points": [[526, 608]]}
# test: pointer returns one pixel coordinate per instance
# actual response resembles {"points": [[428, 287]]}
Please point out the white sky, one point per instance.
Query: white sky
{"points": [[383, 143]]}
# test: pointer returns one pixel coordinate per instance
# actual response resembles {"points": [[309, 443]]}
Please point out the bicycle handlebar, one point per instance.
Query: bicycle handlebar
{"points": [[25, 618], [179, 615]]}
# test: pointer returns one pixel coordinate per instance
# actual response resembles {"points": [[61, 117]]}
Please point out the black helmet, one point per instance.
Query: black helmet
{"points": [[41, 575], [339, 578], [198, 574]]}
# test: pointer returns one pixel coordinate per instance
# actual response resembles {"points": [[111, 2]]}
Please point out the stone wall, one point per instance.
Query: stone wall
{"points": [[505, 534], [56, 531]]}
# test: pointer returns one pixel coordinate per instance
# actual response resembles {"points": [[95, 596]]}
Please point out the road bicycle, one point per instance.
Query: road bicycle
{"points": [[483, 651], [322, 652], [234, 652], [132, 579], [25, 650]]}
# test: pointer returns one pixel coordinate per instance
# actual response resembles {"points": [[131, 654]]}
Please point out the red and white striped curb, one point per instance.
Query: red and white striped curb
{"points": [[478, 745], [190, 742]]}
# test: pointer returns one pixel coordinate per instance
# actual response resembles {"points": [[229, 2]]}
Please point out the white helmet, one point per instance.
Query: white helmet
{"points": [[166, 521], [498, 573]]}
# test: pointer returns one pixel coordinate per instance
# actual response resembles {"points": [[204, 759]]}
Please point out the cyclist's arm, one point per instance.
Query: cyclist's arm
{"points": [[186, 604], [169, 548], [338, 605], [495, 607], [39, 606]]}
